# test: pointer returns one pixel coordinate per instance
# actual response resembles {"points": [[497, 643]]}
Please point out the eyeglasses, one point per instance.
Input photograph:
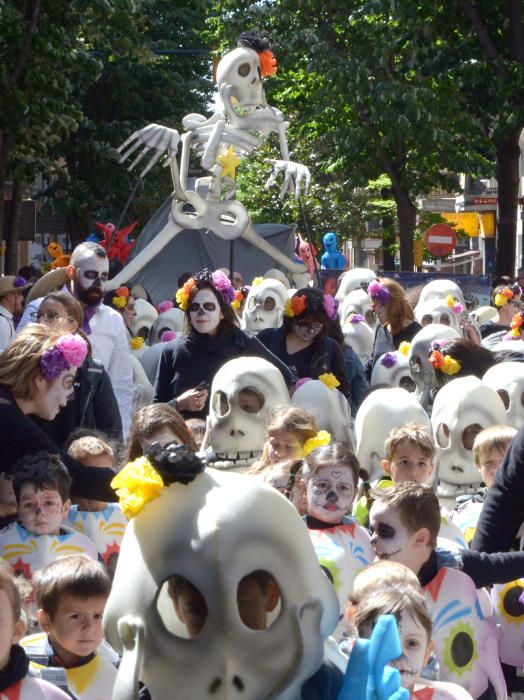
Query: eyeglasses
{"points": [[206, 306], [311, 327], [47, 317]]}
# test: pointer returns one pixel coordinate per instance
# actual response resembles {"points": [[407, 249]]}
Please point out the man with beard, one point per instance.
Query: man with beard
{"points": [[87, 274]]}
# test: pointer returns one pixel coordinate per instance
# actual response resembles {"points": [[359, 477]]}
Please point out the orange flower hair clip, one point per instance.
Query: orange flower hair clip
{"points": [[516, 323], [295, 306], [444, 363]]}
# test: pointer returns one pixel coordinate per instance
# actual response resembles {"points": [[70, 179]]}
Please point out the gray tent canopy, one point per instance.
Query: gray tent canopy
{"points": [[191, 251]]}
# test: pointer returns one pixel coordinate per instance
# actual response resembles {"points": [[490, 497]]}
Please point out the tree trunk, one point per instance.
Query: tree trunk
{"points": [[407, 220], [3, 161], [11, 261], [508, 154]]}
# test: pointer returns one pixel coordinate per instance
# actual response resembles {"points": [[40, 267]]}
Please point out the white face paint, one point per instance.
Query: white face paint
{"points": [[204, 312], [54, 395], [391, 539], [330, 493], [90, 278], [414, 641]]}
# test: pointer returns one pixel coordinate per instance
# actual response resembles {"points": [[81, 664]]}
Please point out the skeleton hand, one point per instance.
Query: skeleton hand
{"points": [[292, 170], [154, 137]]}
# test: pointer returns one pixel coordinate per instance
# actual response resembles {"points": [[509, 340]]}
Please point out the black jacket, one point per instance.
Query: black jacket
{"points": [[195, 358], [93, 406]]}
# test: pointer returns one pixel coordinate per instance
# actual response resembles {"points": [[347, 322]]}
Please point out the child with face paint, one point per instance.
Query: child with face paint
{"points": [[342, 546]]}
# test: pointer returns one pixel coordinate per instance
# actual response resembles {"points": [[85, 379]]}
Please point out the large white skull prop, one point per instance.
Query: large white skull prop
{"points": [[379, 413], [243, 393], [436, 311], [462, 408], [275, 274], [483, 314], [421, 371], [214, 532], [357, 302], [330, 408], [509, 616], [145, 316], [264, 307], [392, 368], [440, 289], [353, 279], [170, 320], [507, 379], [240, 69], [359, 337]]}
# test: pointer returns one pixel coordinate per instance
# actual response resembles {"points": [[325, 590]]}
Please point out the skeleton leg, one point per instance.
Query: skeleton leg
{"points": [[252, 237]]}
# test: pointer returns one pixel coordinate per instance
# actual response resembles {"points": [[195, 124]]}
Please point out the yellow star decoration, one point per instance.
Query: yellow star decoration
{"points": [[229, 163]]}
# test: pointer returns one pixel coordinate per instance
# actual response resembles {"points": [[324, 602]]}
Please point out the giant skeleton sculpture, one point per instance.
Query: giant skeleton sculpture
{"points": [[221, 141]]}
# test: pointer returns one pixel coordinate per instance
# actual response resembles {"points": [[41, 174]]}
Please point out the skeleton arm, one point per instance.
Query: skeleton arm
{"points": [[300, 173]]}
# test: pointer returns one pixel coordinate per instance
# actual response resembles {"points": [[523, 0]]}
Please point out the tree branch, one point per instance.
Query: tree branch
{"points": [[481, 30], [516, 29], [26, 50]]}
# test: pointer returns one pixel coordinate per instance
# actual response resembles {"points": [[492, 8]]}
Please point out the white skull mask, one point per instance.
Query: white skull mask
{"points": [[264, 306], [509, 616], [440, 289], [379, 413], [353, 279], [507, 379], [170, 320], [359, 337], [462, 408], [330, 408], [357, 302], [275, 274], [213, 533], [421, 371], [483, 314], [393, 368], [145, 316], [243, 393], [435, 311], [240, 69]]}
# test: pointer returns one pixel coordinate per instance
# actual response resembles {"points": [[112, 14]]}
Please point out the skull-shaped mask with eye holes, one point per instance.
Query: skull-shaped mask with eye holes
{"points": [[353, 279], [145, 316], [357, 302], [170, 320], [392, 368], [243, 393], [240, 69], [435, 311], [440, 289], [462, 408], [264, 306], [507, 378], [359, 337], [205, 539], [421, 371]]}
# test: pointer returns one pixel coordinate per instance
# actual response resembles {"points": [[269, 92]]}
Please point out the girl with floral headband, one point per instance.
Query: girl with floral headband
{"points": [[123, 301], [188, 364], [37, 372], [507, 300], [396, 320], [303, 342]]}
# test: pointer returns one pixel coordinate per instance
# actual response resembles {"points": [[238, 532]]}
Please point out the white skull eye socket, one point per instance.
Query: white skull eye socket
{"points": [[269, 304], [442, 435], [505, 397], [522, 399], [415, 365], [258, 600], [220, 403], [469, 434], [182, 607], [445, 320], [426, 320], [250, 400], [408, 384], [244, 69]]}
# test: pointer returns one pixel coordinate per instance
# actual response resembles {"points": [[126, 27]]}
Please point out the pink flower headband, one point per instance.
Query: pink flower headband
{"points": [[378, 292], [70, 351], [330, 305], [217, 279]]}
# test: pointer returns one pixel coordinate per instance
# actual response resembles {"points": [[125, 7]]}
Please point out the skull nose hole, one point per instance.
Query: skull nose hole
{"points": [[215, 685], [237, 682], [236, 432]]}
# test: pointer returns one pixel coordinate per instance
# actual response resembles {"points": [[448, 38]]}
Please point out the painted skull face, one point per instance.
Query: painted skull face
{"points": [[204, 312], [391, 539], [90, 277], [54, 395], [414, 641], [330, 493]]}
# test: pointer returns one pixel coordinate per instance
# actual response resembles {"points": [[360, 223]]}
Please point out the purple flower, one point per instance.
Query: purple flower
{"points": [[53, 363], [330, 306], [165, 306], [356, 318], [378, 292], [19, 281], [222, 284], [167, 335], [388, 360], [73, 349]]}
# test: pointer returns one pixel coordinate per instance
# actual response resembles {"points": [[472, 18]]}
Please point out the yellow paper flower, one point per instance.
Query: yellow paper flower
{"points": [[450, 301], [288, 311], [182, 299], [136, 342], [451, 366], [404, 347], [136, 484], [501, 299], [256, 281], [329, 380], [321, 438], [119, 302]]}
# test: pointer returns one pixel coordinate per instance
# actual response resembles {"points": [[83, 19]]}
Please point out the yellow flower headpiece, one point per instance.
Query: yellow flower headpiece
{"points": [[295, 306], [321, 438], [137, 342], [329, 380], [237, 302], [445, 363], [256, 281], [182, 295], [404, 347], [136, 484], [503, 297], [516, 323]]}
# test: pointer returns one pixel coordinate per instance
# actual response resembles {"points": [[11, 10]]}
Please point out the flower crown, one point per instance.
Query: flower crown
{"points": [[320, 439], [378, 292], [69, 351], [19, 281], [299, 304], [136, 343], [502, 298], [165, 306], [329, 380], [454, 305], [119, 301], [237, 301], [516, 323], [217, 279], [388, 360], [445, 363]]}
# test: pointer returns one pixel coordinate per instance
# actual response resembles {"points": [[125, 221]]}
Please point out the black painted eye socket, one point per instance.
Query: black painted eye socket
{"points": [[220, 403], [513, 608], [469, 434], [243, 69], [269, 304]]}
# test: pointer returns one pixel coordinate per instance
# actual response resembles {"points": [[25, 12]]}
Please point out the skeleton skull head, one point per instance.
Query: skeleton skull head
{"points": [[436, 311], [213, 533], [483, 314], [329, 407], [243, 393], [275, 274], [421, 371], [170, 320], [393, 369], [440, 289], [507, 379], [353, 279], [359, 336], [240, 69], [264, 307], [379, 413], [462, 408], [145, 316], [357, 302]]}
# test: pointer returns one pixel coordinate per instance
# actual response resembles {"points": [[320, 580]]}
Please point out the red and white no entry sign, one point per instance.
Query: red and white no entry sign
{"points": [[440, 240]]}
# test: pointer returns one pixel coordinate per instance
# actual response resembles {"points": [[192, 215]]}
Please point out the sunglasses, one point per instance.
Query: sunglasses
{"points": [[206, 306]]}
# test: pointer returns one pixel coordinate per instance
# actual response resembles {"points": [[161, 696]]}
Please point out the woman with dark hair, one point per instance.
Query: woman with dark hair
{"points": [[303, 341], [507, 300], [188, 364], [396, 320]]}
